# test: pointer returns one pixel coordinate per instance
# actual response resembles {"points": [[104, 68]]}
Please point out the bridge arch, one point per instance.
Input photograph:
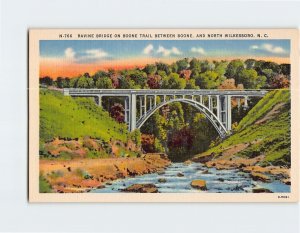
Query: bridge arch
{"points": [[218, 125]]}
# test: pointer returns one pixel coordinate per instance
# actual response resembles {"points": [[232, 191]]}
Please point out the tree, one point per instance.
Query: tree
{"points": [[280, 81], [250, 63], [208, 80], [59, 82], [85, 82], [173, 81], [154, 81], [234, 68], [150, 69], [195, 65], [126, 83], [104, 83], [250, 79], [182, 64], [46, 81], [220, 68], [163, 67], [190, 84], [285, 69], [117, 112], [139, 77], [73, 82]]}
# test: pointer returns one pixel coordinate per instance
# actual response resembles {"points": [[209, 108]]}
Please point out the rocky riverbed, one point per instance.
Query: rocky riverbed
{"points": [[195, 177]]}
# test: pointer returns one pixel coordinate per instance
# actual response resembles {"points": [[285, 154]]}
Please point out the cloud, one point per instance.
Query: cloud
{"points": [[95, 53], [198, 50], [148, 49], [269, 48], [70, 53], [90, 55], [167, 52]]}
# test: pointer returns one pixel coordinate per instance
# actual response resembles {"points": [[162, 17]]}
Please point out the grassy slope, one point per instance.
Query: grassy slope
{"points": [[273, 135], [66, 117]]}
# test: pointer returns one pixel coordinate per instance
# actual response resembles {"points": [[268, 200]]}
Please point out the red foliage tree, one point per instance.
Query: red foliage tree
{"points": [[117, 112], [280, 81], [154, 81], [182, 138]]}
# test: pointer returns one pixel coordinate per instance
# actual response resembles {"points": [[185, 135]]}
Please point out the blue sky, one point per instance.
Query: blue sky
{"points": [[118, 49], [73, 57]]}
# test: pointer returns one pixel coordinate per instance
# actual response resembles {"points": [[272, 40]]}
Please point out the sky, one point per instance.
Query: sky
{"points": [[70, 58]]}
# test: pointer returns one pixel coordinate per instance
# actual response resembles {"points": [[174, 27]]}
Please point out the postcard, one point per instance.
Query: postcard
{"points": [[163, 115]]}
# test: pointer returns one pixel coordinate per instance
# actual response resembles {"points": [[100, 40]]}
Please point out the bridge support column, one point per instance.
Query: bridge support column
{"points": [[228, 110], [209, 103], [238, 102], [145, 104], [132, 109], [154, 100], [99, 100], [218, 108], [127, 111], [246, 102]]}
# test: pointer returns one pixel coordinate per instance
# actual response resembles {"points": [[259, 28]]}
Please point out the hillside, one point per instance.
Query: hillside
{"points": [[263, 133], [77, 127]]}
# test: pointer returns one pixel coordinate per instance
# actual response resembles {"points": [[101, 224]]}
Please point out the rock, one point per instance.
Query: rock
{"points": [[188, 162], [206, 172], [221, 179], [69, 169], [286, 181], [162, 180], [259, 177], [108, 183], [203, 159], [100, 186], [199, 184], [179, 174], [160, 172], [261, 190], [141, 188]]}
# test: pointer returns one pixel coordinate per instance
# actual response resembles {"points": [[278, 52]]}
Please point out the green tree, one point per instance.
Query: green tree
{"points": [[250, 79], [173, 81], [209, 80], [234, 68], [195, 65], [150, 69], [85, 82], [104, 83], [73, 82], [182, 64], [191, 84], [163, 67]]}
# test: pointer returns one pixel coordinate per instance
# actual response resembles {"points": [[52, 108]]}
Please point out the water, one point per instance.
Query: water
{"points": [[217, 181]]}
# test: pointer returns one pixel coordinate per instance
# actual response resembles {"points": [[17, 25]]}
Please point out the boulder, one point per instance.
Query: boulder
{"points": [[179, 174], [286, 181], [199, 184], [259, 177], [188, 162], [160, 172], [162, 180], [261, 190], [141, 188], [206, 172]]}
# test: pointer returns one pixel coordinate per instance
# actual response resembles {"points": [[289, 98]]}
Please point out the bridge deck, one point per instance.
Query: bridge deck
{"points": [[125, 92]]}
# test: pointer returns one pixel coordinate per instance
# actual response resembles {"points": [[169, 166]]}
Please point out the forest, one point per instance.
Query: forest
{"points": [[178, 129]]}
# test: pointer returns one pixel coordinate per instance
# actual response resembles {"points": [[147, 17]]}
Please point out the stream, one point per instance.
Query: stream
{"points": [[217, 181]]}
